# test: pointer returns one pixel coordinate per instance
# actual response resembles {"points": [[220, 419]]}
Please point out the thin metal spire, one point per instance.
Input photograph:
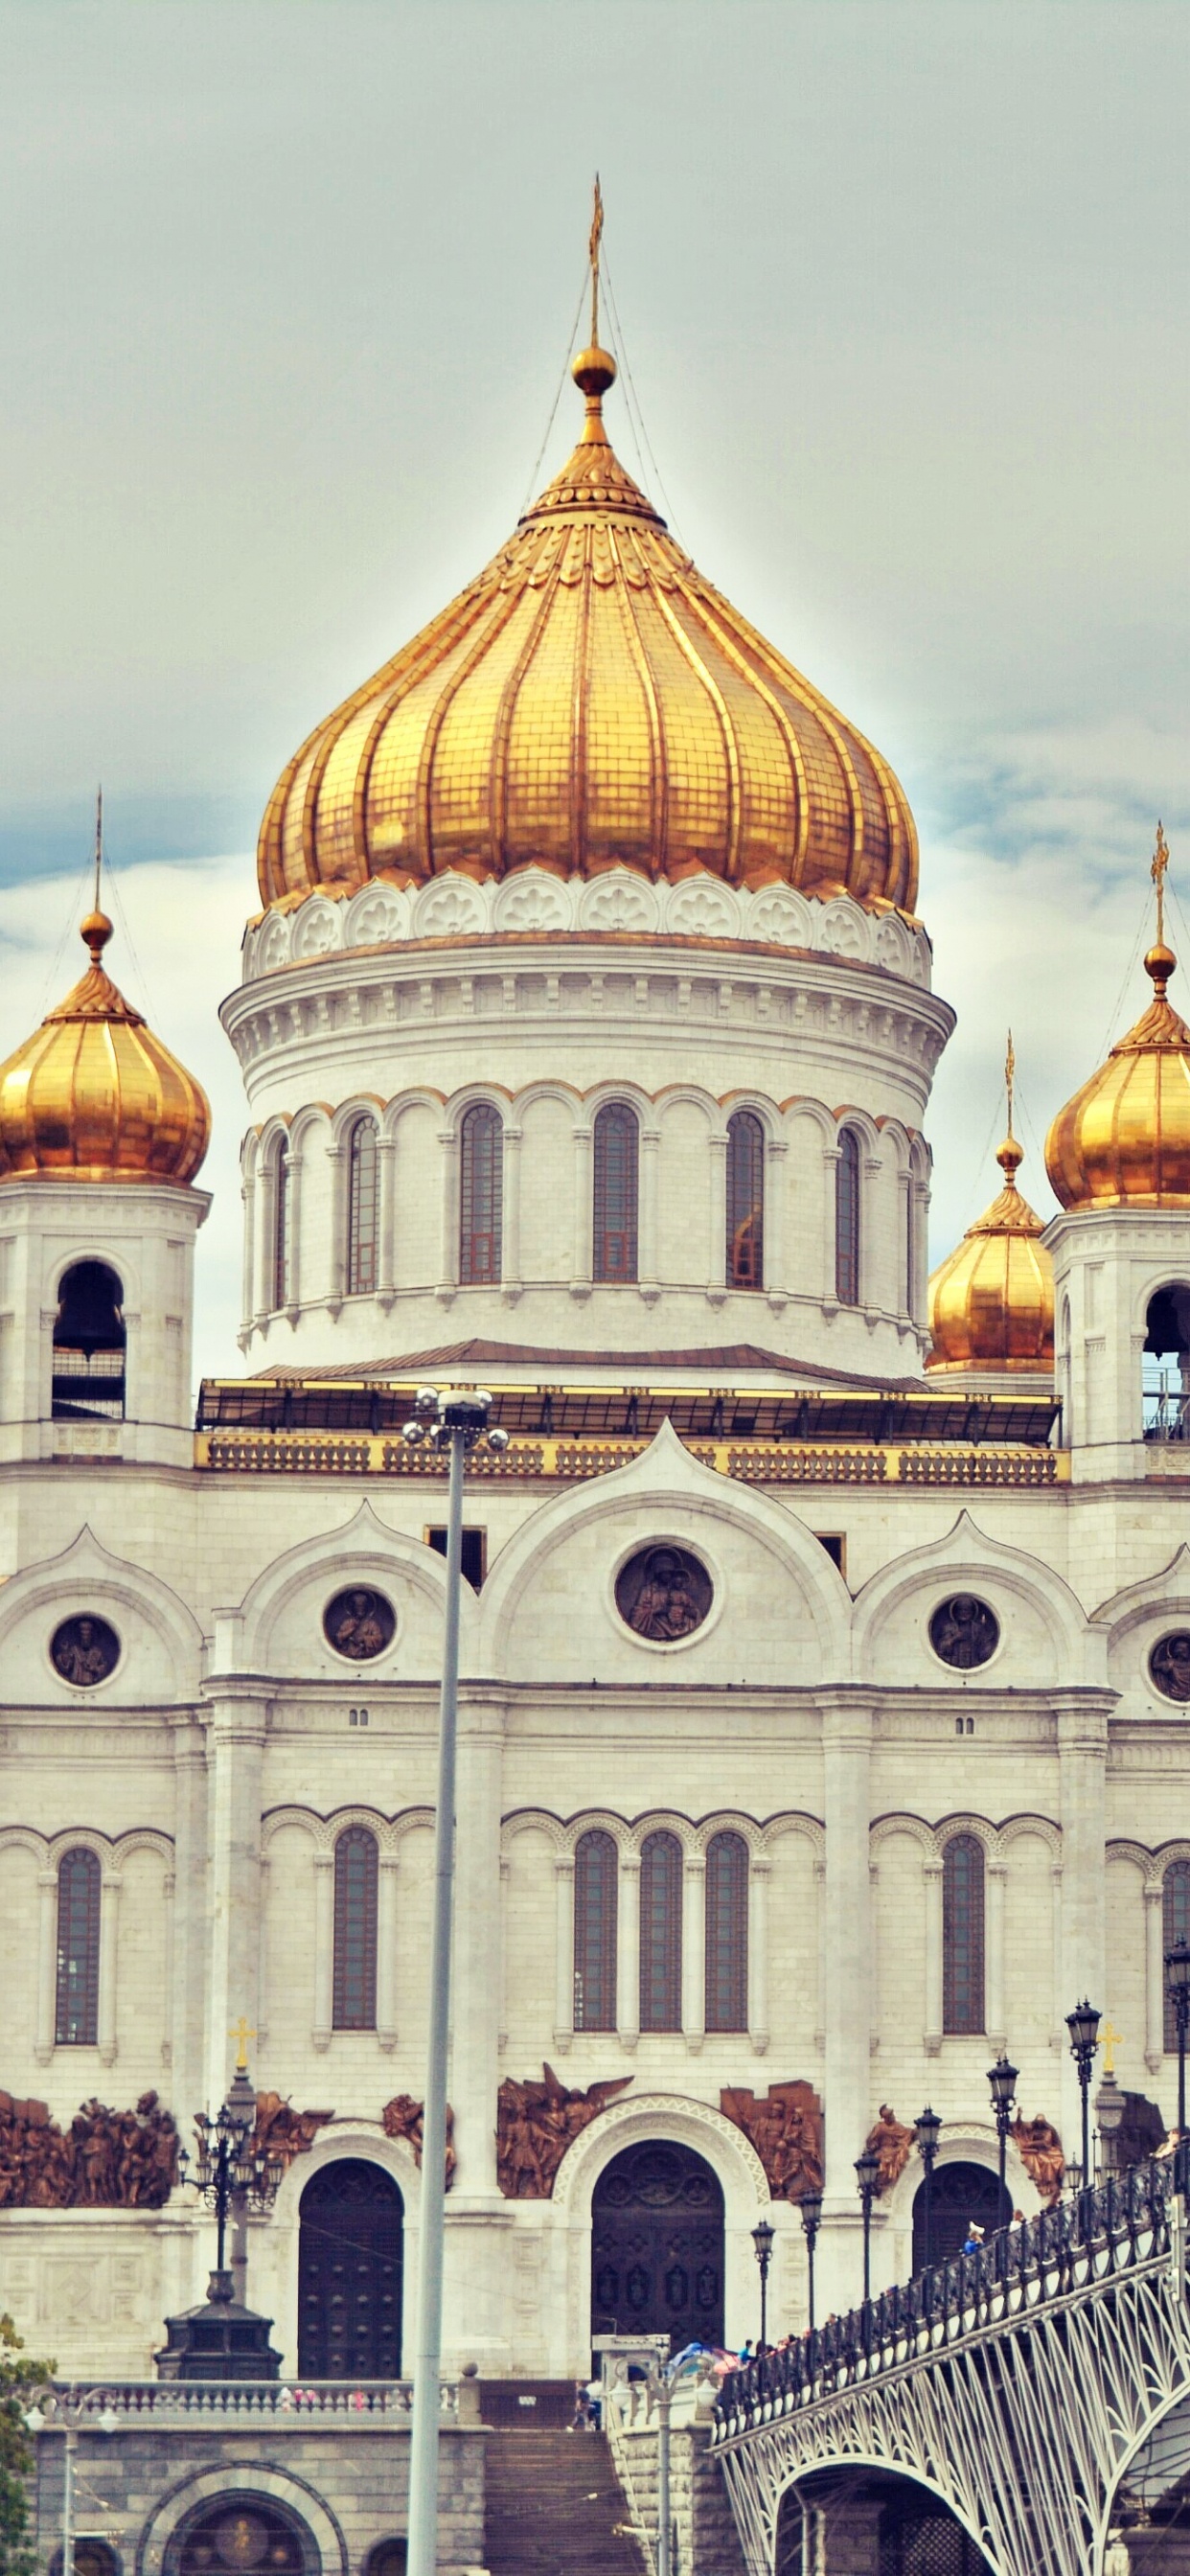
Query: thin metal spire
{"points": [[98, 843], [593, 248], [1010, 1077], [1157, 873]]}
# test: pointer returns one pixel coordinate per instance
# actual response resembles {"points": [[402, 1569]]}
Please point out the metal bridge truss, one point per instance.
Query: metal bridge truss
{"points": [[1014, 2383]]}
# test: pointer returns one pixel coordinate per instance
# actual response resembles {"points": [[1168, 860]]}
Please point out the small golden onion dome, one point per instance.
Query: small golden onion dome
{"points": [[1124, 1139], [589, 702], [94, 1096], [992, 1301]]}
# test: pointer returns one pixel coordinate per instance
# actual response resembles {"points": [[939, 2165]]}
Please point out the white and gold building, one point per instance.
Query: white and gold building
{"points": [[827, 1646]]}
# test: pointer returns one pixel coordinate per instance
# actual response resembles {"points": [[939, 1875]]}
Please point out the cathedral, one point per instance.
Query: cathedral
{"points": [[826, 1626]]}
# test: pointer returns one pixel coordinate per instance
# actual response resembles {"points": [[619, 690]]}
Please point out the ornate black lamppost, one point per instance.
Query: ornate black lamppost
{"points": [[810, 2206], [227, 2169], [762, 2238], [1177, 1986], [867, 2175], [1083, 2026], [928, 2127], [1002, 2078]]}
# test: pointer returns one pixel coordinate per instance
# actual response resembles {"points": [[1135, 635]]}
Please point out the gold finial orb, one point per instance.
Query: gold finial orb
{"points": [[1160, 963], [594, 372], [95, 933]]}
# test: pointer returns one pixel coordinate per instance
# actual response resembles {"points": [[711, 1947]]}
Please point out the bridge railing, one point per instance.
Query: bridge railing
{"points": [[1110, 2228]]}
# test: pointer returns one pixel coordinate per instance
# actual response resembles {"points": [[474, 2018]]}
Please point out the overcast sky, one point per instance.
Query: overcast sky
{"points": [[285, 294]]}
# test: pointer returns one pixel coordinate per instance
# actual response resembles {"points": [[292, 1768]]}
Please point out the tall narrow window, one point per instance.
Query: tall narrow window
{"points": [[280, 1227], [962, 1935], [1176, 1913], [356, 1865], [89, 1344], [596, 1869], [617, 1142], [77, 2020], [661, 1933], [481, 1195], [727, 1932], [745, 1201], [361, 1209], [847, 1219], [909, 1245]]}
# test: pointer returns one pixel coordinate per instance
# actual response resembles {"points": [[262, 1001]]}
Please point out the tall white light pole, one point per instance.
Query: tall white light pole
{"points": [[454, 1422]]}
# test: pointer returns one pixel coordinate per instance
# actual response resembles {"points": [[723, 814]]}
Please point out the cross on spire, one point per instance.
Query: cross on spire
{"points": [[241, 2033], [593, 252], [1157, 873], [1010, 1077]]}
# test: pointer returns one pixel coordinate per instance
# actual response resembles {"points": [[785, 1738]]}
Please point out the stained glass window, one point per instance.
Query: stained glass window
{"points": [[77, 2021], [847, 1219], [362, 1162], [596, 1870], [1175, 1907], [962, 1935], [661, 1933], [745, 1201], [616, 1157], [481, 1196], [356, 1866], [727, 1933]]}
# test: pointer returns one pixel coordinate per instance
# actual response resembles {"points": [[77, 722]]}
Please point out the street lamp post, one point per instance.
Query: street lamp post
{"points": [[867, 2175], [452, 1423], [65, 2415], [762, 2238], [1177, 1982], [1083, 2026], [230, 2176], [928, 2127], [810, 2206], [1002, 2079]]}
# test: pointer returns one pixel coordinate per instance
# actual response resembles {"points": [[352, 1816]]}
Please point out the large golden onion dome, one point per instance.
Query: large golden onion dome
{"points": [[94, 1096], [589, 702], [1124, 1139], [992, 1301]]}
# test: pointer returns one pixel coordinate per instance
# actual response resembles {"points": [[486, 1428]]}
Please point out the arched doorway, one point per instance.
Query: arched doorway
{"points": [[349, 2273], [897, 2529], [243, 2532], [962, 2194], [657, 2245]]}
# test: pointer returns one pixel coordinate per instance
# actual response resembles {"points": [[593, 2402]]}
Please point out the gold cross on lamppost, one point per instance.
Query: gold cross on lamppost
{"points": [[1109, 2041], [241, 2033]]}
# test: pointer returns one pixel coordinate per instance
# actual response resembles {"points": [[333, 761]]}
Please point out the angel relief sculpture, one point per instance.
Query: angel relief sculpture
{"points": [[785, 2127], [405, 2118], [536, 2122]]}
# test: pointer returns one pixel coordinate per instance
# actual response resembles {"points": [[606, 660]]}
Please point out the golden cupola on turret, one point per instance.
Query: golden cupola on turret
{"points": [[1124, 1139], [991, 1302], [589, 702], [94, 1096]]}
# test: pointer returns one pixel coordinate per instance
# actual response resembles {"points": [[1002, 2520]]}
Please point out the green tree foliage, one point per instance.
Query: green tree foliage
{"points": [[18, 2380]]}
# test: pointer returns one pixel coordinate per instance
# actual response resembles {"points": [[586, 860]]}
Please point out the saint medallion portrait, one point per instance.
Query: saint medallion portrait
{"points": [[359, 1624], [1169, 1666], [964, 1633], [84, 1651], [663, 1593]]}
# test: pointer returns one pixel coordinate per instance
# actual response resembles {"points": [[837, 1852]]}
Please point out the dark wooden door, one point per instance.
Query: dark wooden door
{"points": [[349, 2274], [657, 2246]]}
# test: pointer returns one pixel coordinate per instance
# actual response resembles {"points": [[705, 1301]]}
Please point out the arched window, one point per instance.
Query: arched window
{"points": [[77, 2019], [617, 1140], [481, 1195], [909, 1246], [356, 1865], [962, 1935], [727, 1933], [745, 1201], [280, 1227], [362, 1162], [661, 1933], [847, 1219], [596, 1870], [1175, 1908], [89, 1345]]}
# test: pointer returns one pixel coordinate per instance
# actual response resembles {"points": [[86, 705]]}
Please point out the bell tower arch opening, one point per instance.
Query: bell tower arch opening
{"points": [[657, 2245], [350, 2267], [89, 1344], [1165, 1364]]}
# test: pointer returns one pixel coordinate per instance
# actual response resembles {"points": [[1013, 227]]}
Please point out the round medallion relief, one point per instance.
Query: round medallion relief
{"points": [[1169, 1666], [359, 1623], [663, 1593], [964, 1633], [84, 1651]]}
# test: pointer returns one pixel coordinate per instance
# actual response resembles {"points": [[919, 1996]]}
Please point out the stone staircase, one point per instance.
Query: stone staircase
{"points": [[554, 2506]]}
